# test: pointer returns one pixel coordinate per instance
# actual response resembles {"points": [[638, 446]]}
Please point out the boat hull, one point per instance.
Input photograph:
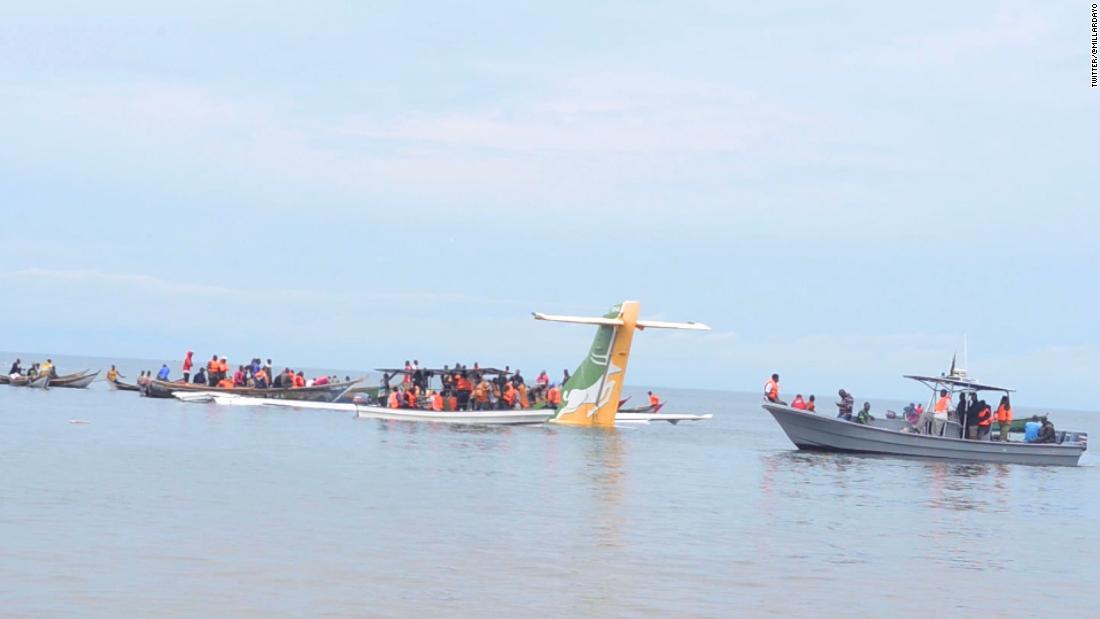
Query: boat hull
{"points": [[821, 433], [74, 381], [323, 393], [42, 382]]}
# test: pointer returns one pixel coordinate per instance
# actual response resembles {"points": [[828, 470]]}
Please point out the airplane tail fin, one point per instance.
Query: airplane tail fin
{"points": [[591, 395]]}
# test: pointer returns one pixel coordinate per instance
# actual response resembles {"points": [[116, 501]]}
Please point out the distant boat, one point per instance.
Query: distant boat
{"points": [[813, 432]]}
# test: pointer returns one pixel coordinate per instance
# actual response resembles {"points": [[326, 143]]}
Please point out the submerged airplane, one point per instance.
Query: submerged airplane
{"points": [[591, 395]]}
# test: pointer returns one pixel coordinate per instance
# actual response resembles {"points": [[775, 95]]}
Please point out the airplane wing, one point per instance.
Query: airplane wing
{"points": [[580, 320], [660, 324]]}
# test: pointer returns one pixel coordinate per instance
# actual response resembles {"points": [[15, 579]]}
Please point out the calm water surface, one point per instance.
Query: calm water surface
{"points": [[159, 508]]}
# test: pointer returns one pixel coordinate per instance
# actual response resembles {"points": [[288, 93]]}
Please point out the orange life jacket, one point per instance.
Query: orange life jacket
{"points": [[393, 403], [225, 383], [462, 383], [212, 366], [523, 401], [553, 397], [811, 405], [509, 396], [985, 417], [410, 399], [654, 400], [437, 402], [299, 381], [1004, 414], [942, 405], [771, 390]]}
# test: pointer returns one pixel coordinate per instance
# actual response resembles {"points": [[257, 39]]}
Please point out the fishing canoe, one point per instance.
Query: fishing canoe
{"points": [[75, 381], [317, 393], [118, 385]]}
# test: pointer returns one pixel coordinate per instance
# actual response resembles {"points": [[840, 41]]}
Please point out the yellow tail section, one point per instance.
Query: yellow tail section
{"points": [[597, 405]]}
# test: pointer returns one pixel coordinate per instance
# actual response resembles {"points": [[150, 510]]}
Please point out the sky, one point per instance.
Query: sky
{"points": [[844, 192]]}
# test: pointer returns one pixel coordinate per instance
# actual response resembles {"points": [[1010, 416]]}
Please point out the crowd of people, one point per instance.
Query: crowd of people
{"points": [[974, 416], [464, 388], [256, 374]]}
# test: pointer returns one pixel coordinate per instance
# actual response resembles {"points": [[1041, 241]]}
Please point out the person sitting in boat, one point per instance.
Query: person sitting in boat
{"points": [[16, 368], [553, 396], [771, 390], [200, 377], [394, 401], [1046, 432], [654, 400], [985, 421], [225, 383], [163, 373], [48, 369], [1031, 429], [436, 401], [798, 402], [844, 406], [508, 397], [811, 404], [864, 414], [410, 397]]}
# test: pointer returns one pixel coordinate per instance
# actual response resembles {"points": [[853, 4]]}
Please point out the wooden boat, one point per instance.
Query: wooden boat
{"points": [[18, 380], [79, 380], [5, 379], [317, 393], [118, 385]]}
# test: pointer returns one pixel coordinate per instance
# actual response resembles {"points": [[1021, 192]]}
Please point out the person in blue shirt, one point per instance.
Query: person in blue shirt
{"points": [[163, 373], [1031, 429]]}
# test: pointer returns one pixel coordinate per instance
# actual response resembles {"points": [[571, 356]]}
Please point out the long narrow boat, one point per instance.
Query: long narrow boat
{"points": [[118, 385], [317, 393], [75, 381], [813, 432]]}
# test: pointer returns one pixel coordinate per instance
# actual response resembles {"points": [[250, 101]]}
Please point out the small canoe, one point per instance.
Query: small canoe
{"points": [[118, 385], [74, 381]]}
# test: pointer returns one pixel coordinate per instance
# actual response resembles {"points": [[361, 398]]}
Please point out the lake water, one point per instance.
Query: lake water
{"points": [[160, 508]]}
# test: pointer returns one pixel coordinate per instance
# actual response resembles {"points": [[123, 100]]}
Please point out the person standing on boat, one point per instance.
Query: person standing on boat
{"points": [[212, 370], [542, 380], [16, 368], [163, 373], [564, 378], [1004, 417], [654, 400], [985, 421], [771, 390], [844, 406], [187, 364], [940, 412]]}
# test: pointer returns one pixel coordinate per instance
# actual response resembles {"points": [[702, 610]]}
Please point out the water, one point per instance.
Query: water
{"points": [[159, 508]]}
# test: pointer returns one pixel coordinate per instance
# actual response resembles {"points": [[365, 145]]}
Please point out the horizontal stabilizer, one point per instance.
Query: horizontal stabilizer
{"points": [[580, 320], [660, 324]]}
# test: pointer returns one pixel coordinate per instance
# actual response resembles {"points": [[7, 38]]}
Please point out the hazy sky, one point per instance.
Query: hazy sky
{"points": [[842, 192]]}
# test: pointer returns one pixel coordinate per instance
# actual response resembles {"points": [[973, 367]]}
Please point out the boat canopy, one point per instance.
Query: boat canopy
{"points": [[956, 383]]}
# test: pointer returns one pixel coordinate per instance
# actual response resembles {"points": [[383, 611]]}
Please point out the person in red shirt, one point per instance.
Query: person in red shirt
{"points": [[187, 365]]}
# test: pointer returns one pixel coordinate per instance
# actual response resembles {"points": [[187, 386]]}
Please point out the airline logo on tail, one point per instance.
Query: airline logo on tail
{"points": [[591, 395]]}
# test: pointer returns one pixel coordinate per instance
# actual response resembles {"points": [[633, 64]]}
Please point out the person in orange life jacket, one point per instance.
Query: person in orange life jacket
{"points": [[437, 401], [553, 396], [187, 364], [299, 380], [261, 378], [524, 402], [654, 399], [508, 397], [212, 370], [225, 383], [1004, 417], [985, 421], [798, 402], [410, 397], [394, 400], [771, 390], [811, 404]]}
